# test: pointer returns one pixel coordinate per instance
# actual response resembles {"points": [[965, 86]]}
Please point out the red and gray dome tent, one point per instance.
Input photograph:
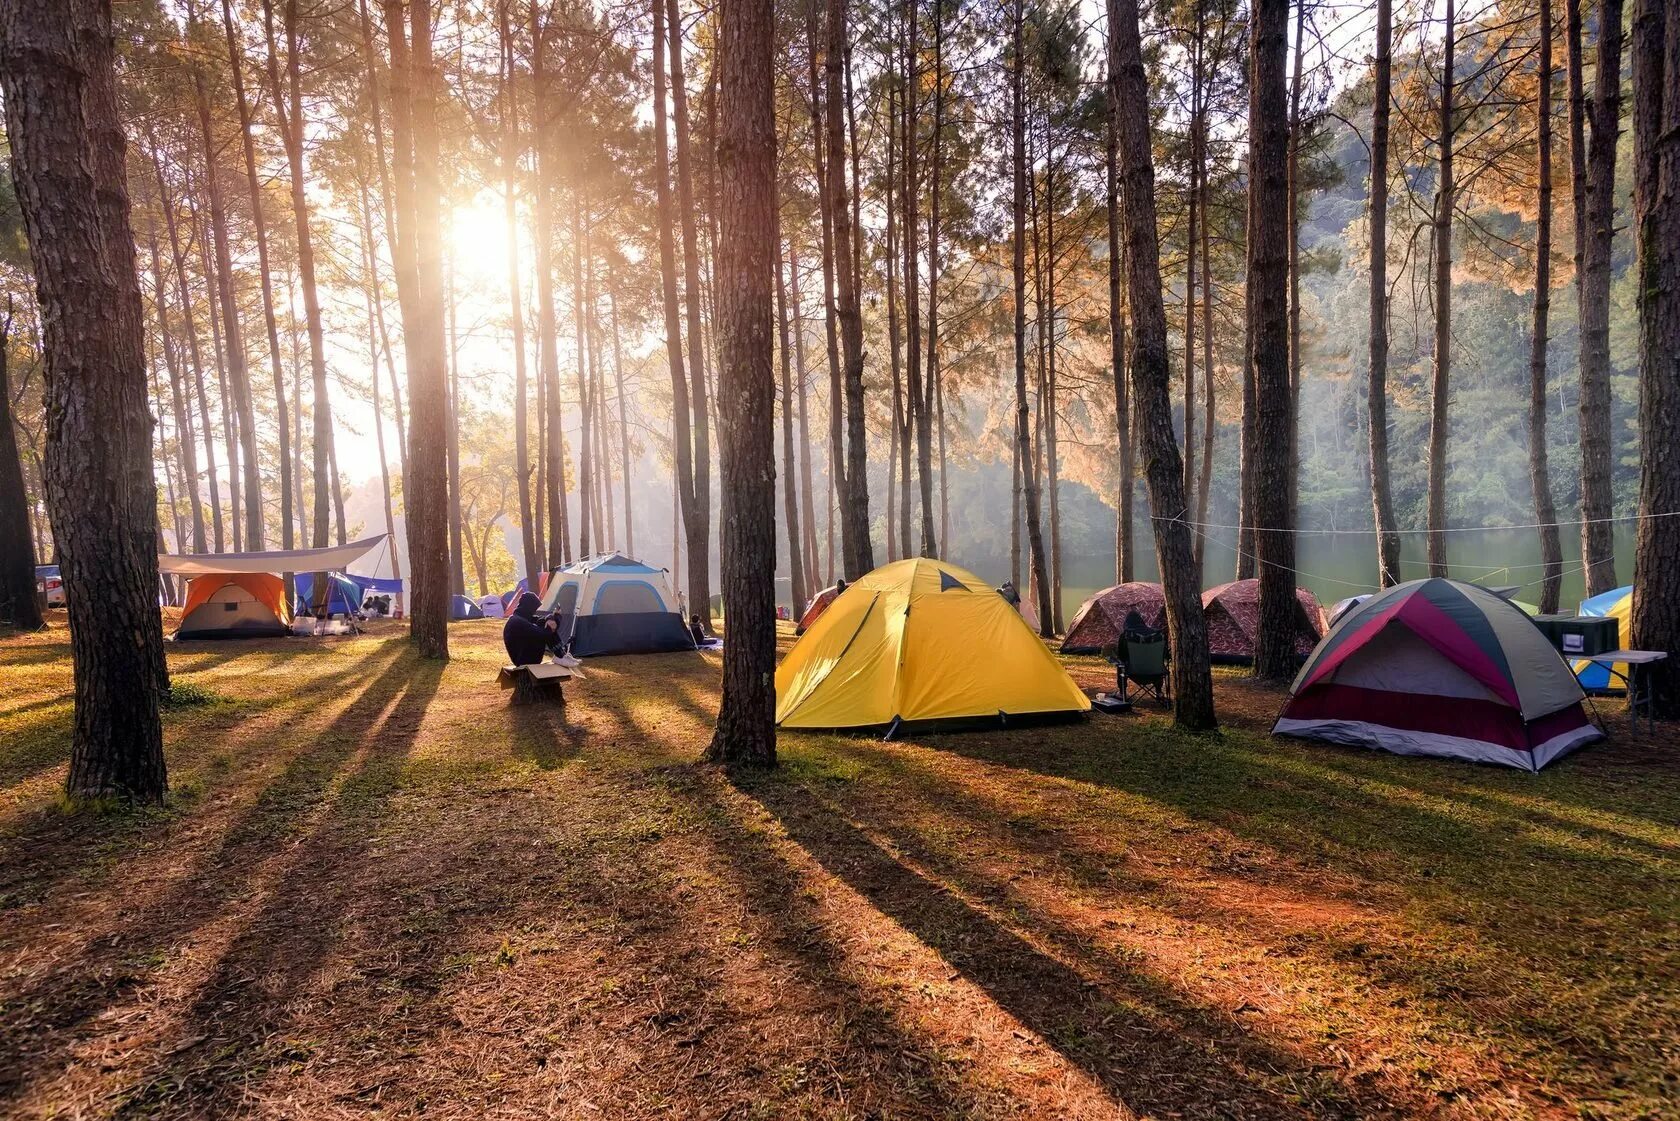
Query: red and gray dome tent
{"points": [[1436, 667]]}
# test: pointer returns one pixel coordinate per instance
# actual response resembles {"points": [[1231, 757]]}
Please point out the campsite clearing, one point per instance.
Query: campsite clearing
{"points": [[378, 887]]}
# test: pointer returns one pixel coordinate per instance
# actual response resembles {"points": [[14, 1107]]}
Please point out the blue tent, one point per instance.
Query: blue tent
{"points": [[378, 584], [460, 607], [512, 596], [344, 594]]}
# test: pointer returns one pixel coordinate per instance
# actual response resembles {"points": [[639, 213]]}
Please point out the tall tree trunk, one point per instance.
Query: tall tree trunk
{"points": [[1191, 245], [1296, 135], [1545, 512], [184, 435], [586, 473], [1268, 278], [67, 149], [746, 157], [1204, 489], [217, 537], [698, 526], [554, 446], [1598, 552], [854, 514], [230, 427], [1249, 450], [370, 257], [1443, 220], [521, 389], [930, 375], [1123, 548], [420, 226], [1039, 578], [288, 112], [790, 488], [259, 223], [1382, 500], [682, 446], [1656, 208], [1192, 680], [837, 481], [807, 493], [898, 467], [1052, 397], [452, 418], [18, 604], [623, 418], [249, 498]]}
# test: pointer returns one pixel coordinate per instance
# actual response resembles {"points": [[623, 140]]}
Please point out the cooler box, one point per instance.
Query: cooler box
{"points": [[1580, 636]]}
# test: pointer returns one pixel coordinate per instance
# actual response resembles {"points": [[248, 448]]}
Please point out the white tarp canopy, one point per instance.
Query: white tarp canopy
{"points": [[336, 558]]}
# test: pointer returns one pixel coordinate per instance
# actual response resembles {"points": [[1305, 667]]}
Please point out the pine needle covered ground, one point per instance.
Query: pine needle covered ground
{"points": [[379, 890]]}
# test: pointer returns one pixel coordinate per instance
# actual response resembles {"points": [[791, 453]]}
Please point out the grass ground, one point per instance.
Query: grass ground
{"points": [[379, 890]]}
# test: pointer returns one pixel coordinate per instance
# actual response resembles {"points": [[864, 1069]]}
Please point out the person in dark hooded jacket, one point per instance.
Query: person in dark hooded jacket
{"points": [[527, 637]]}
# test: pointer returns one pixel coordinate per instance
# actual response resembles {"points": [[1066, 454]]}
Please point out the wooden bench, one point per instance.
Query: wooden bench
{"points": [[535, 684]]}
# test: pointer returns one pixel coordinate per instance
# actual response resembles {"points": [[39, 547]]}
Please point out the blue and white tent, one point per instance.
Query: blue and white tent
{"points": [[613, 604]]}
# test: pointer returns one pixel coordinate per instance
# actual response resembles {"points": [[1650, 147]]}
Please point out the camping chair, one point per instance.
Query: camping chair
{"points": [[1144, 663]]}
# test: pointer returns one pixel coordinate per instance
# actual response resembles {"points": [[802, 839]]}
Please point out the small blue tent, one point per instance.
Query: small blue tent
{"points": [[344, 594], [460, 607]]}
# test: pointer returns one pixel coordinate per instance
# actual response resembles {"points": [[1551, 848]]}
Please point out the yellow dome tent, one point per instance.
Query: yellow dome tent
{"points": [[919, 640]]}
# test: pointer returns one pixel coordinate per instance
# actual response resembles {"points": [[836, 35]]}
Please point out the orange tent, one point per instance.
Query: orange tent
{"points": [[235, 605]]}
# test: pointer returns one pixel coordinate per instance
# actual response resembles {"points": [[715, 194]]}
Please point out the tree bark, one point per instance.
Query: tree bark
{"points": [[1039, 578], [548, 345], [419, 209], [586, 473], [1440, 381], [698, 526], [930, 375], [623, 417], [249, 498], [837, 481], [1268, 316], [682, 446], [370, 257], [184, 435], [1598, 553], [1192, 680], [898, 442], [521, 392], [217, 532], [746, 159], [807, 492], [1382, 500], [67, 148], [1656, 206], [1539, 475], [790, 489], [283, 428], [1123, 548], [288, 112], [1296, 127], [854, 514]]}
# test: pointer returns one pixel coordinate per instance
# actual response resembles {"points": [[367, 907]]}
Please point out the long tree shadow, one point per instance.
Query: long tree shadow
{"points": [[78, 840], [42, 1018], [1150, 1047], [307, 899], [1328, 810]]}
